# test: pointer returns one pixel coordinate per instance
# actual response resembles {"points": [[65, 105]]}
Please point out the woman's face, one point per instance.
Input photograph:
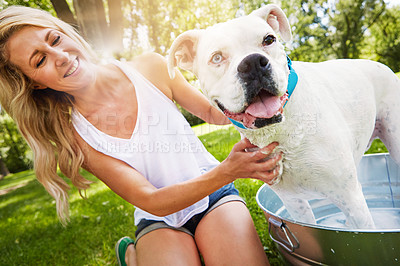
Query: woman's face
{"points": [[51, 59]]}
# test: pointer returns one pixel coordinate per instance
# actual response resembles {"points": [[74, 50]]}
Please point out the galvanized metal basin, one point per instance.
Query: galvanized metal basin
{"points": [[329, 242]]}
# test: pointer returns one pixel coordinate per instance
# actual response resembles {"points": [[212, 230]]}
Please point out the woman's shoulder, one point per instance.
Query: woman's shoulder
{"points": [[153, 67], [149, 62]]}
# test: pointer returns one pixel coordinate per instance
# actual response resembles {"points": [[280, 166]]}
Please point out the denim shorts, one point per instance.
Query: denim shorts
{"points": [[223, 195]]}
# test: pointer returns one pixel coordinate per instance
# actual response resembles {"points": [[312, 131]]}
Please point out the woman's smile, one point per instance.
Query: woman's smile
{"points": [[73, 68]]}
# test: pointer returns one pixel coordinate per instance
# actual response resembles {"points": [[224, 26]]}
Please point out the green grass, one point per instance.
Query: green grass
{"points": [[30, 233]]}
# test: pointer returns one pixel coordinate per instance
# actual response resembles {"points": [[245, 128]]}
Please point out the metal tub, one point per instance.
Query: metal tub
{"points": [[329, 242]]}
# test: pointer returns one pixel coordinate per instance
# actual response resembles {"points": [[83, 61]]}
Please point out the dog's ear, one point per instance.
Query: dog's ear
{"points": [[183, 51], [276, 18]]}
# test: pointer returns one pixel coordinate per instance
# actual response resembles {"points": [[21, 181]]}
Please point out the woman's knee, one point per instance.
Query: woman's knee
{"points": [[171, 247], [227, 235]]}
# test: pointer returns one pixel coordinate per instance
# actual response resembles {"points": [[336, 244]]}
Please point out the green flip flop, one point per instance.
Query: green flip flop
{"points": [[120, 249]]}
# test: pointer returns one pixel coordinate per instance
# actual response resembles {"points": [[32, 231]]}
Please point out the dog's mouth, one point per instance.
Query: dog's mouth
{"points": [[265, 109]]}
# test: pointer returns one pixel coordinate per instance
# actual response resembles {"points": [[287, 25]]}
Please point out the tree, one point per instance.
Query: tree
{"points": [[305, 20], [13, 148], [116, 25], [331, 29], [384, 43], [42, 4], [3, 169], [308, 26], [163, 21], [63, 11], [91, 20], [349, 21]]}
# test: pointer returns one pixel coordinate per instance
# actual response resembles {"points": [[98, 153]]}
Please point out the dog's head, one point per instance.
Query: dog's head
{"points": [[241, 66]]}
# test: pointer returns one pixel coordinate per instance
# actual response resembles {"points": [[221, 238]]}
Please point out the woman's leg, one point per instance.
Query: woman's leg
{"points": [[227, 236], [167, 247], [130, 256]]}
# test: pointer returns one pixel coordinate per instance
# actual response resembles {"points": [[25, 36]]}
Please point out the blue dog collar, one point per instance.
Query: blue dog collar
{"points": [[237, 123], [292, 82], [292, 79]]}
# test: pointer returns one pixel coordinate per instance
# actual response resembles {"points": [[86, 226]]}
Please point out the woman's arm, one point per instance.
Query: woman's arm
{"points": [[154, 68], [134, 188], [194, 101]]}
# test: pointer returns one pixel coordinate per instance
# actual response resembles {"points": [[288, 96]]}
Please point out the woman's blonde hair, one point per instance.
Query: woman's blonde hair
{"points": [[43, 116]]}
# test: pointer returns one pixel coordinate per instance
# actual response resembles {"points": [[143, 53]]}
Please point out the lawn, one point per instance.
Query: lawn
{"points": [[31, 234]]}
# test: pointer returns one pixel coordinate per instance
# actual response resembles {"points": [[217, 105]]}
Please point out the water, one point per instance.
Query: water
{"points": [[379, 176], [384, 218]]}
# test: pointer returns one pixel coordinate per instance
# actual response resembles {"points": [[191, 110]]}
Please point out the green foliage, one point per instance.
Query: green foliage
{"points": [[384, 43], [332, 29], [220, 142], [14, 150], [42, 4], [348, 23], [192, 119], [322, 29], [377, 146], [163, 21], [308, 30]]}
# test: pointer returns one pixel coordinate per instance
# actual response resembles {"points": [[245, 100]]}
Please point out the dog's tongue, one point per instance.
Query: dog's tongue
{"points": [[265, 105]]}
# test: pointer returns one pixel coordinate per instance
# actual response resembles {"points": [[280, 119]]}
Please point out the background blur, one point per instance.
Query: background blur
{"points": [[321, 29]]}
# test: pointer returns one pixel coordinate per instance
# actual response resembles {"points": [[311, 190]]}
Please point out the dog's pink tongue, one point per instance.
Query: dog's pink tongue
{"points": [[265, 106]]}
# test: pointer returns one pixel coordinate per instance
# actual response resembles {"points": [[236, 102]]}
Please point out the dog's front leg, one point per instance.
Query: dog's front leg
{"points": [[299, 209], [352, 203]]}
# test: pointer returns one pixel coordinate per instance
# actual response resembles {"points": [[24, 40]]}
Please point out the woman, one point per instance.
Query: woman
{"points": [[119, 121]]}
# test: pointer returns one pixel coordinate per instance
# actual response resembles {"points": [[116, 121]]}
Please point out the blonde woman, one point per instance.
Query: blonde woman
{"points": [[119, 121]]}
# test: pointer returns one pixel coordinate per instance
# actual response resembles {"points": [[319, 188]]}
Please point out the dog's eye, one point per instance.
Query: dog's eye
{"points": [[217, 58], [268, 40]]}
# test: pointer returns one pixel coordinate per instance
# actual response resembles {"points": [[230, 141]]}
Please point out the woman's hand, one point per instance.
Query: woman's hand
{"points": [[259, 164]]}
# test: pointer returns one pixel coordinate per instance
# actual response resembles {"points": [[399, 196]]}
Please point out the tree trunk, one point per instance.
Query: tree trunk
{"points": [[154, 31], [92, 21], [64, 12], [3, 169], [116, 26]]}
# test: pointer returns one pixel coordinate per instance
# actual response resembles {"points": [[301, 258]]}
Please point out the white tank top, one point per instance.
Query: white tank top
{"points": [[163, 147]]}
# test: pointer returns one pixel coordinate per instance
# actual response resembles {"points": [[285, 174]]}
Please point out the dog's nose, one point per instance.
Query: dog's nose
{"points": [[255, 74], [254, 63]]}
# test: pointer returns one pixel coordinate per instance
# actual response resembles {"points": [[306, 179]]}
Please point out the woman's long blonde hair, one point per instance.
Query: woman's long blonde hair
{"points": [[43, 116]]}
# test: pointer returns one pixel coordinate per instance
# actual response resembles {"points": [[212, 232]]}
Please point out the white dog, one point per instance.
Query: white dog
{"points": [[334, 111]]}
